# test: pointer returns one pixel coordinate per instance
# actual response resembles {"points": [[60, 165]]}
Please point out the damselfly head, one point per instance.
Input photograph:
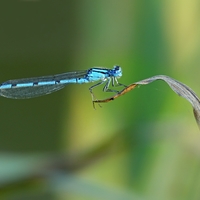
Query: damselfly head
{"points": [[117, 71]]}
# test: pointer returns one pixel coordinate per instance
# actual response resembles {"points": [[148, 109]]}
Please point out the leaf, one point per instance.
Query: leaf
{"points": [[178, 87]]}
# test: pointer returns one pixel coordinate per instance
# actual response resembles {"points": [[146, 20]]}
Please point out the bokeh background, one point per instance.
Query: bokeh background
{"points": [[142, 146]]}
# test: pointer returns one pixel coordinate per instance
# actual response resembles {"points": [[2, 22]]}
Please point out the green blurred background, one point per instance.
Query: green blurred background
{"points": [[144, 145]]}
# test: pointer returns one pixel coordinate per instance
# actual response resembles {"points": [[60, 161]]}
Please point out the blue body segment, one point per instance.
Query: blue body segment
{"points": [[37, 86]]}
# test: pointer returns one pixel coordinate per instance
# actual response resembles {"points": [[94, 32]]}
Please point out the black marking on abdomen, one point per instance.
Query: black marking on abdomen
{"points": [[35, 83]]}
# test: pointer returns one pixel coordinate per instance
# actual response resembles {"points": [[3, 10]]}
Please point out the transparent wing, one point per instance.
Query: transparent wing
{"points": [[30, 90]]}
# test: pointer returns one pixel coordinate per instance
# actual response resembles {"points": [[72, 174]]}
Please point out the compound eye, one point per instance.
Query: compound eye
{"points": [[117, 67]]}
